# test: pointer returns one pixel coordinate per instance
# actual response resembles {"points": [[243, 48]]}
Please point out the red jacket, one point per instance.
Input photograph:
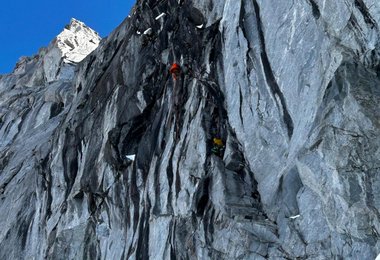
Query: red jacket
{"points": [[175, 69]]}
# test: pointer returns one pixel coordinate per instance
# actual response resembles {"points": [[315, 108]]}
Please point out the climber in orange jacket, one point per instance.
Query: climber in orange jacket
{"points": [[175, 70]]}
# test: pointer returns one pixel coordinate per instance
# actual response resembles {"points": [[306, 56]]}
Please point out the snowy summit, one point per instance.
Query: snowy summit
{"points": [[76, 41], [72, 45]]}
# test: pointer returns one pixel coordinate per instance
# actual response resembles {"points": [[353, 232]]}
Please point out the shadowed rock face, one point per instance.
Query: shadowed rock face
{"points": [[291, 88]]}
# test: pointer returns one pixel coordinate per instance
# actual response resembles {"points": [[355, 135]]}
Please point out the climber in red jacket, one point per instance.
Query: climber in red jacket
{"points": [[175, 70]]}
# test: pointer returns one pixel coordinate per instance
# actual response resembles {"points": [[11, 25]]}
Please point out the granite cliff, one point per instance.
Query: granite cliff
{"points": [[103, 155]]}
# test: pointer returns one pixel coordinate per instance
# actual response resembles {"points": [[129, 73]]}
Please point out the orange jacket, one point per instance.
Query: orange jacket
{"points": [[175, 69]]}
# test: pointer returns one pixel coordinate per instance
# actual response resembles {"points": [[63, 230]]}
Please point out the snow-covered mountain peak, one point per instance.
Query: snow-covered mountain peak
{"points": [[76, 41], [71, 46]]}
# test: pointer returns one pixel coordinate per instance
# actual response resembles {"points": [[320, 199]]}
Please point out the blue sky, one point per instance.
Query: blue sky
{"points": [[27, 25]]}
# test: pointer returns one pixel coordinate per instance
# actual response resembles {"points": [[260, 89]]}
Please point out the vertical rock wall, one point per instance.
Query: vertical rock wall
{"points": [[291, 88]]}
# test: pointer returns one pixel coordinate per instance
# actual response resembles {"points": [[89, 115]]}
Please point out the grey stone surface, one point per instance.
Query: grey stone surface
{"points": [[292, 89]]}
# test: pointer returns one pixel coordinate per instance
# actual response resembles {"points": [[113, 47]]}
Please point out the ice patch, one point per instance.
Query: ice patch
{"points": [[294, 217], [131, 157], [160, 16], [148, 31]]}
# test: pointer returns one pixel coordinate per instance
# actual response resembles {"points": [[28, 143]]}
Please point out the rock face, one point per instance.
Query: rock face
{"points": [[112, 158]]}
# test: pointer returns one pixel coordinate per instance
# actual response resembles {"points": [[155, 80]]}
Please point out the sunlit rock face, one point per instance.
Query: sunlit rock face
{"points": [[33, 101], [104, 155]]}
